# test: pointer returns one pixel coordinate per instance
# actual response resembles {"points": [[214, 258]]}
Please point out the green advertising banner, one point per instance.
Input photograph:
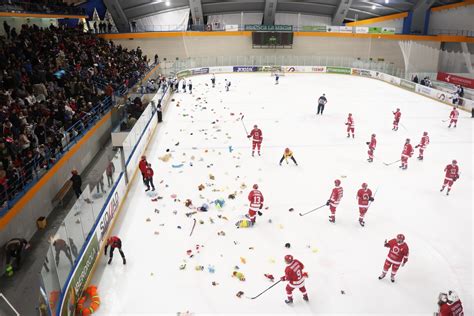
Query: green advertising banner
{"points": [[338, 70], [272, 28], [80, 276], [375, 30], [315, 28]]}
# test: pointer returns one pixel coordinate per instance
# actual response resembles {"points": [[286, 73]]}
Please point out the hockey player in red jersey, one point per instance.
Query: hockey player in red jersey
{"points": [[114, 242], [257, 138], [372, 144], [396, 119], [450, 304], [350, 125], [398, 255], [425, 140], [295, 276], [364, 197], [256, 203], [453, 117], [452, 174], [406, 153], [334, 199]]}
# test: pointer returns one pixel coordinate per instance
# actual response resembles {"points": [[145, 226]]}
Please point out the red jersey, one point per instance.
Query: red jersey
{"points": [[336, 196], [373, 143], [407, 150], [114, 242], [142, 166], [294, 273], [256, 135], [398, 252], [451, 172], [255, 199], [454, 309], [425, 140], [454, 114], [149, 173], [363, 195], [350, 122], [397, 116]]}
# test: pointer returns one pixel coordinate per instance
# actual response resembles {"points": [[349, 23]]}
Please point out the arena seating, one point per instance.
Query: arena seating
{"points": [[55, 83]]}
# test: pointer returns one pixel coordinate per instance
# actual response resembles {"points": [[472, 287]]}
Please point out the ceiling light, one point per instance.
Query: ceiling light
{"points": [[167, 3], [387, 1], [373, 7]]}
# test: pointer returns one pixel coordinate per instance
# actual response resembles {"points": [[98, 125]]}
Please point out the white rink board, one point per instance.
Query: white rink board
{"points": [[343, 256]]}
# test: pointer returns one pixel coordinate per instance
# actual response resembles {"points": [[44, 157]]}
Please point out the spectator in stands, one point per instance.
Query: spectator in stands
{"points": [[76, 182], [415, 79], [134, 26], [109, 27], [6, 27], [460, 91], [96, 29], [61, 245], [160, 113], [109, 171], [156, 59], [13, 250]]}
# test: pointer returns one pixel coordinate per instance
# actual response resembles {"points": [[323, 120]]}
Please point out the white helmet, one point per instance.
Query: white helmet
{"points": [[453, 296]]}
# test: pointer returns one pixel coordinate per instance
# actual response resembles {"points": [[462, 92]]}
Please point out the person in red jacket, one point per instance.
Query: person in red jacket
{"points": [[425, 140], [372, 144], [334, 199], [295, 276], [406, 153], [396, 119], [450, 304], [142, 166], [452, 174], [453, 117], [256, 203], [350, 126], [149, 178], [398, 255], [257, 139], [114, 242]]}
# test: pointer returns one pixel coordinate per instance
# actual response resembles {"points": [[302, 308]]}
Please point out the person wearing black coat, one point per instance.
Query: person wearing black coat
{"points": [[76, 182]]}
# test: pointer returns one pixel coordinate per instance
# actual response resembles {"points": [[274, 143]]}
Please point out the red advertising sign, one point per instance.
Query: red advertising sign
{"points": [[465, 82]]}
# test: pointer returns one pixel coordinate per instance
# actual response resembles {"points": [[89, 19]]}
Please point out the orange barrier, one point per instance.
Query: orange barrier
{"points": [[90, 294]]}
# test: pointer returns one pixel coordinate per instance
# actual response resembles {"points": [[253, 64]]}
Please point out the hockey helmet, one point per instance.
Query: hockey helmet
{"points": [[288, 258], [143, 157], [287, 150], [255, 186], [407, 140], [364, 185], [350, 114], [453, 296], [373, 135], [337, 182], [398, 109], [255, 126], [455, 161], [400, 238], [425, 133]]}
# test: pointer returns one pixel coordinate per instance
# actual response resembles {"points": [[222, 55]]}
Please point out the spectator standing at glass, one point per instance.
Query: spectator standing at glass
{"points": [[76, 182], [109, 171]]}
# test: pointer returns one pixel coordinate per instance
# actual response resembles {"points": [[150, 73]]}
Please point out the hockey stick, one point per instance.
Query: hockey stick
{"points": [[242, 120], [303, 214], [391, 163], [252, 298], [404, 127], [375, 193], [192, 229]]}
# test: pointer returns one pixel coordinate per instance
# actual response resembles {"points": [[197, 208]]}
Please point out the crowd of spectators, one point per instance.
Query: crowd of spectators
{"points": [[54, 84], [42, 6]]}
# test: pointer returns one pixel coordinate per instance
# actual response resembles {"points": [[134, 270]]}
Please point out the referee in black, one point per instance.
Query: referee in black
{"points": [[321, 103]]}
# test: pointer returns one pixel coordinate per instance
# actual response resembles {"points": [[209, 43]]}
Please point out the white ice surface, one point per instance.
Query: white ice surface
{"points": [[341, 256]]}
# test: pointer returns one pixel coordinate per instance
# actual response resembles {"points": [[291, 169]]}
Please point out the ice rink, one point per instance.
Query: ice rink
{"points": [[339, 258]]}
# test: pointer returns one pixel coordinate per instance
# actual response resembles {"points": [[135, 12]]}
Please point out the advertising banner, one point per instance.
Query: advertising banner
{"points": [[245, 69], [375, 30], [231, 27], [333, 29], [361, 72], [200, 71], [274, 28], [338, 70], [388, 30], [387, 78], [221, 69], [318, 69], [408, 85], [362, 29], [465, 82], [183, 73], [345, 29], [314, 28]]}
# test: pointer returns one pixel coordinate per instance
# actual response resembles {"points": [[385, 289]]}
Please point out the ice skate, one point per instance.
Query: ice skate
{"points": [[332, 219], [447, 192], [369, 160], [361, 222], [110, 260], [124, 260], [442, 189], [148, 189], [289, 301], [382, 275], [392, 278], [305, 297]]}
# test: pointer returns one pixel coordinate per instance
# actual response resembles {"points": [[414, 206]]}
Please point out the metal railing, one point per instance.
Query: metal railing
{"points": [[21, 179], [451, 32], [265, 60], [44, 8]]}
